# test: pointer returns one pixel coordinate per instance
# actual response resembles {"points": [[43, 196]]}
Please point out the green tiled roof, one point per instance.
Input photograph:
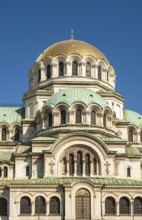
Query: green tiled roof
{"points": [[7, 156], [23, 149], [66, 180], [133, 151], [112, 139], [10, 114], [74, 95], [132, 117], [44, 139]]}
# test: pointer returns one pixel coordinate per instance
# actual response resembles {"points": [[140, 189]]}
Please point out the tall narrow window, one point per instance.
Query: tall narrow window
{"points": [[3, 207], [71, 164], [27, 170], [63, 117], [61, 69], [49, 72], [110, 206], [40, 205], [4, 134], [39, 75], [0, 172], [79, 163], [74, 68], [87, 164], [124, 205], [88, 69], [141, 136], [128, 172], [130, 136], [78, 116], [107, 76], [25, 205], [104, 120], [5, 172], [99, 73], [50, 119], [93, 117], [17, 134], [138, 205], [55, 205]]}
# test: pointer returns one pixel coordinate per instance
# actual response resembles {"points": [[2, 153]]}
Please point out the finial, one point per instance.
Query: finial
{"points": [[71, 34]]}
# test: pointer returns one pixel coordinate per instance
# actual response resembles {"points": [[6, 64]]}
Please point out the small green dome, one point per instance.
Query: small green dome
{"points": [[132, 117], [74, 95]]}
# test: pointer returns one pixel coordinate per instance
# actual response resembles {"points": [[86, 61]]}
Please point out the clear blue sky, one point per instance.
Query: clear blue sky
{"points": [[27, 27]]}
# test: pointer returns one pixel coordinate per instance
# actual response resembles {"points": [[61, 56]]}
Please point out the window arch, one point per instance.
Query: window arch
{"points": [[25, 205], [5, 172], [79, 163], [50, 120], [61, 69], [3, 207], [128, 172], [99, 73], [63, 117], [40, 205], [54, 205], [124, 205], [39, 75], [48, 71], [17, 134], [138, 205], [4, 134], [110, 206], [87, 164], [130, 135], [93, 117], [88, 69], [78, 116], [71, 164], [74, 68]]}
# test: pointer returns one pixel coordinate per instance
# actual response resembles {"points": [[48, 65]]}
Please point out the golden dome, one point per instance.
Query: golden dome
{"points": [[69, 47]]}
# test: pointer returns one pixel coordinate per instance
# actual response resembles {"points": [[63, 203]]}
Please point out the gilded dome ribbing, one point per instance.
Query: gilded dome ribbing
{"points": [[70, 47]]}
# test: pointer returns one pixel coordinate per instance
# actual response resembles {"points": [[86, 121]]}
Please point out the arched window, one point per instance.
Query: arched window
{"points": [[104, 120], [110, 206], [138, 205], [40, 205], [17, 134], [48, 71], [63, 117], [55, 205], [128, 172], [71, 164], [61, 69], [141, 136], [4, 134], [130, 136], [78, 116], [3, 207], [79, 163], [25, 205], [74, 68], [5, 172], [99, 73], [107, 76], [88, 69], [124, 205], [39, 75], [93, 117], [87, 164], [27, 170], [50, 120]]}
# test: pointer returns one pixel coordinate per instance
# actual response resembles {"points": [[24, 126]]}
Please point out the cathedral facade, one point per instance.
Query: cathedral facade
{"points": [[73, 151]]}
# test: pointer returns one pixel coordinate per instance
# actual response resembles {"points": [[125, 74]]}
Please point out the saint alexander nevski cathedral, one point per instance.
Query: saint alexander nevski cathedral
{"points": [[73, 151]]}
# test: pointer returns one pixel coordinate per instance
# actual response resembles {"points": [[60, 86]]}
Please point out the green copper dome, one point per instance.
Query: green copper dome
{"points": [[10, 115], [132, 117], [75, 95]]}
